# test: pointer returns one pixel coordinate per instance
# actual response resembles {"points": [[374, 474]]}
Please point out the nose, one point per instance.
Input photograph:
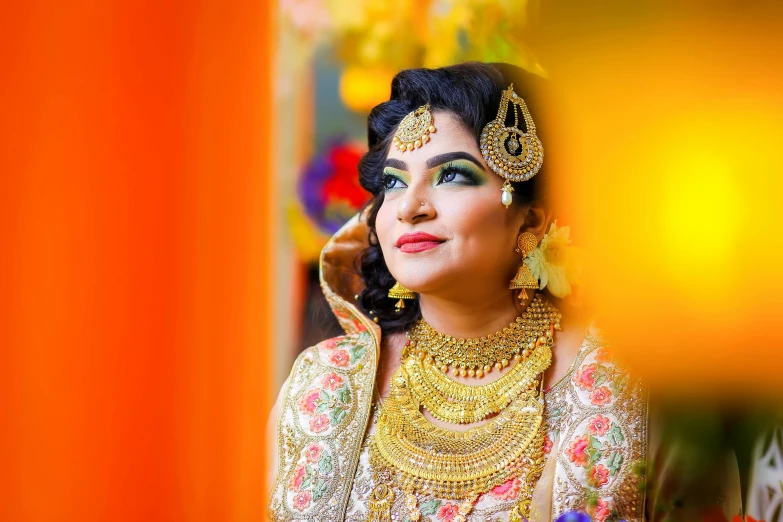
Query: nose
{"points": [[414, 207]]}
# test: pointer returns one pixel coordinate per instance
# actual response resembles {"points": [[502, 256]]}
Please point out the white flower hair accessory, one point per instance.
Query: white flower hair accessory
{"points": [[555, 263]]}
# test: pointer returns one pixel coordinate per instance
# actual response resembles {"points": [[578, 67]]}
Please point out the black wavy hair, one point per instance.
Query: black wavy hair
{"points": [[472, 92]]}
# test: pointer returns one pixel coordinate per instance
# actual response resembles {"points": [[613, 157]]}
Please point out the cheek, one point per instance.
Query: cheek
{"points": [[384, 224], [483, 225]]}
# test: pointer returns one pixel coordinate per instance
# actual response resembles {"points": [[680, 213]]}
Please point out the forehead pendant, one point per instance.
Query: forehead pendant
{"points": [[511, 153], [414, 130]]}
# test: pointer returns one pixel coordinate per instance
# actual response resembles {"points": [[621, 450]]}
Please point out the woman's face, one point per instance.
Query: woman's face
{"points": [[442, 227]]}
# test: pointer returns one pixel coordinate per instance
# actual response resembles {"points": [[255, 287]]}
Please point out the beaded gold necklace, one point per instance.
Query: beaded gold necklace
{"points": [[409, 453], [477, 357]]}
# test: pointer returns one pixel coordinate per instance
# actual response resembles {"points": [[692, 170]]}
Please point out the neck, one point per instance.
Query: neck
{"points": [[476, 318]]}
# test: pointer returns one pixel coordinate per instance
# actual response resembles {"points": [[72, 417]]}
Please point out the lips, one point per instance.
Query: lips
{"points": [[417, 242]]}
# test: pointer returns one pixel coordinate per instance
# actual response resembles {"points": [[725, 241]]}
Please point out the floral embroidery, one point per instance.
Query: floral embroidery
{"points": [[330, 344], [302, 500], [309, 401], [339, 358], [601, 511], [332, 381], [601, 396], [584, 377], [576, 451], [598, 425], [597, 476], [602, 355], [309, 481], [448, 511], [548, 444], [319, 423], [509, 490], [313, 452], [296, 479]]}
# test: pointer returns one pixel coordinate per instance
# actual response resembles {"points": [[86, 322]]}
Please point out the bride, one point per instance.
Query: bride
{"points": [[467, 387]]}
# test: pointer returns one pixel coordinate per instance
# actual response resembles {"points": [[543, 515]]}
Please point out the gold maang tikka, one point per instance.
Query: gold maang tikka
{"points": [[511, 153], [414, 129]]}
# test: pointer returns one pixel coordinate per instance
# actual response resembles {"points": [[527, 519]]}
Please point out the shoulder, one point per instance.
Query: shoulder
{"points": [[343, 353], [323, 412], [600, 417]]}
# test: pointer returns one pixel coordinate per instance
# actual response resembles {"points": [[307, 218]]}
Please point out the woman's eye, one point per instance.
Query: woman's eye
{"points": [[456, 175], [448, 177], [392, 182]]}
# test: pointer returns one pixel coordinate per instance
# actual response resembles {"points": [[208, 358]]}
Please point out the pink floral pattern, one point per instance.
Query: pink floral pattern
{"points": [[585, 377], [548, 445], [296, 479], [509, 490], [601, 511], [601, 396], [319, 423], [302, 500], [339, 358], [309, 401], [332, 381], [576, 450], [598, 425], [330, 344], [597, 476], [447, 512], [313, 452]]}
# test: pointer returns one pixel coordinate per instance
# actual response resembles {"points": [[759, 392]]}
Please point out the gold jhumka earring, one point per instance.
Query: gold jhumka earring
{"points": [[400, 292], [511, 153], [526, 243], [414, 129]]}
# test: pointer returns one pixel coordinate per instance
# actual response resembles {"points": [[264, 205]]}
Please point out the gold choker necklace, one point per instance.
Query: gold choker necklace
{"points": [[477, 357]]}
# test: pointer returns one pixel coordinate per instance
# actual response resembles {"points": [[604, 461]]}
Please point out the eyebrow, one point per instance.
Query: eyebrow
{"points": [[434, 161], [396, 164], [440, 159]]}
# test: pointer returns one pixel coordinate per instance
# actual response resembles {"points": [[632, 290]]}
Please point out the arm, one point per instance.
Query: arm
{"points": [[271, 439]]}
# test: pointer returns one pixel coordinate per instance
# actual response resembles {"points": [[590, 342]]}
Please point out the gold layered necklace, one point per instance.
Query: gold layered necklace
{"points": [[410, 454]]}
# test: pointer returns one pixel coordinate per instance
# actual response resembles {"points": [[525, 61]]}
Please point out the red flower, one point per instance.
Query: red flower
{"points": [[506, 491], [548, 444], [597, 476], [302, 500], [601, 396], [296, 478], [601, 511], [598, 425], [576, 450], [309, 401], [313, 453], [319, 423], [584, 377], [331, 381], [339, 358], [448, 511]]}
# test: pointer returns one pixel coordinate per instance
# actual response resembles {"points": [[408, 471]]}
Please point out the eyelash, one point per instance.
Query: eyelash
{"points": [[470, 178], [457, 170]]}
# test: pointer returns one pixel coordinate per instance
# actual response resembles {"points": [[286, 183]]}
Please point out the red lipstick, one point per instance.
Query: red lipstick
{"points": [[417, 242]]}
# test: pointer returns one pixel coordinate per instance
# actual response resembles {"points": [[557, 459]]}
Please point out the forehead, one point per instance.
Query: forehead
{"points": [[450, 136]]}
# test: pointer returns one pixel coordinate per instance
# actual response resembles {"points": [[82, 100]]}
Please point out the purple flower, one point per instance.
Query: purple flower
{"points": [[573, 516]]}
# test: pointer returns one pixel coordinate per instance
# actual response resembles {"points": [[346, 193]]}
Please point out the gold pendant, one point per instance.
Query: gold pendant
{"points": [[381, 500]]}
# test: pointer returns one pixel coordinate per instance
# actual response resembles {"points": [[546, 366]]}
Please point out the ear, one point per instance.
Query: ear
{"points": [[537, 219]]}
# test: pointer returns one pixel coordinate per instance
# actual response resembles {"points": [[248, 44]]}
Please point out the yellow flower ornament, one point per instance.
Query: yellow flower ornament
{"points": [[555, 262]]}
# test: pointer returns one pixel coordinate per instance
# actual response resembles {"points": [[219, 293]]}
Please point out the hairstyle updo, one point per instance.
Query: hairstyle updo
{"points": [[472, 92]]}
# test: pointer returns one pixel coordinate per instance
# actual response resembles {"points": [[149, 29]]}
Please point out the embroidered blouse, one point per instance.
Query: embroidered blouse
{"points": [[596, 419]]}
